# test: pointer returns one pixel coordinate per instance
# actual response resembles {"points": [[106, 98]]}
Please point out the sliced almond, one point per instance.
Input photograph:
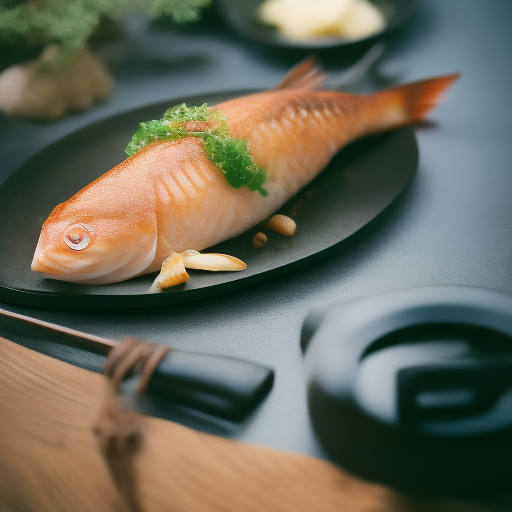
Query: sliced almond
{"points": [[283, 225], [214, 262], [172, 273], [188, 253]]}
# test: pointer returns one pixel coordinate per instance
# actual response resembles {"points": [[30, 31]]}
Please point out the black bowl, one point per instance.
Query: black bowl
{"points": [[241, 15]]}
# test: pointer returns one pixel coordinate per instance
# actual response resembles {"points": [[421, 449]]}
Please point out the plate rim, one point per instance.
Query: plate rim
{"points": [[95, 301]]}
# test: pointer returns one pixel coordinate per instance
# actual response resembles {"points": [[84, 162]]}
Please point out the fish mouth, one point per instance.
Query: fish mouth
{"points": [[89, 270], [73, 271], [39, 262], [45, 263], [62, 267], [38, 266]]}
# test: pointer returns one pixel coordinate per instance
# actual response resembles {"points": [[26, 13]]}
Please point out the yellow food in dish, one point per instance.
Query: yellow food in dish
{"points": [[307, 19]]}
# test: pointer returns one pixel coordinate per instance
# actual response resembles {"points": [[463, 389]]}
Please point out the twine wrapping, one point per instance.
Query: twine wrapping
{"points": [[116, 427]]}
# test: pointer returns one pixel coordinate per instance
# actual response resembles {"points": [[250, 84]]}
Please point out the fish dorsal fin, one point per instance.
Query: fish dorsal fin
{"points": [[307, 74]]}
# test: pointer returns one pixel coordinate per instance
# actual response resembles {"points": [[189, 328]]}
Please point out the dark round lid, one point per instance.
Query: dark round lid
{"points": [[414, 387]]}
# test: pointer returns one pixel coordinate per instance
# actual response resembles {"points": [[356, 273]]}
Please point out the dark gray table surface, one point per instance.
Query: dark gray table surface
{"points": [[453, 225]]}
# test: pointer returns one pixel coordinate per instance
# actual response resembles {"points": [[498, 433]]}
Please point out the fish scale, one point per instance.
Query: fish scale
{"points": [[169, 197]]}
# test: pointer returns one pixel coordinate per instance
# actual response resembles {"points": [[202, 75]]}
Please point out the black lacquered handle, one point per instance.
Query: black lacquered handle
{"points": [[222, 386], [225, 387]]}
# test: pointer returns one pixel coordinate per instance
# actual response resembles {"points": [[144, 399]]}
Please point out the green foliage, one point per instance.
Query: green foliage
{"points": [[171, 125], [70, 22], [233, 158], [230, 154]]}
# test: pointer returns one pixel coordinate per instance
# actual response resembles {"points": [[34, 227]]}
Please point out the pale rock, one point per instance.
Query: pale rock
{"points": [[41, 91]]}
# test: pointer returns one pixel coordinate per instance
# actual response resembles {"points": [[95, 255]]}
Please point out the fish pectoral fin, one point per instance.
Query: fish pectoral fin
{"points": [[307, 74]]}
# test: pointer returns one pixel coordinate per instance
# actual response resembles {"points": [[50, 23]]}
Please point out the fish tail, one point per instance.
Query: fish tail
{"points": [[420, 97], [411, 102]]}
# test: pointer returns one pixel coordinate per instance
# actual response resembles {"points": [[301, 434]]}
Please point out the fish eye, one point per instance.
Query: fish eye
{"points": [[76, 237]]}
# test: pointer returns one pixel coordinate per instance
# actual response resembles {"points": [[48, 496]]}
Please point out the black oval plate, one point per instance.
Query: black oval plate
{"points": [[242, 17], [357, 186]]}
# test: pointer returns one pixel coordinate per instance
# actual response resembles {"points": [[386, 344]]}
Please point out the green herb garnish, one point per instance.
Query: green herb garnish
{"points": [[229, 154]]}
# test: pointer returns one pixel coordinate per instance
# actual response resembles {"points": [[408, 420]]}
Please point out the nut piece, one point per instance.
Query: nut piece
{"points": [[173, 268], [259, 240], [188, 253], [283, 225], [214, 262], [172, 273]]}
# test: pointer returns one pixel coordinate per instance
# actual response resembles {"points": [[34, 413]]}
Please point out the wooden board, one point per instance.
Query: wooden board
{"points": [[50, 460]]}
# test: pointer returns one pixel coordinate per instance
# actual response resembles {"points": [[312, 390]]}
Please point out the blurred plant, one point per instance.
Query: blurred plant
{"points": [[65, 76], [69, 23]]}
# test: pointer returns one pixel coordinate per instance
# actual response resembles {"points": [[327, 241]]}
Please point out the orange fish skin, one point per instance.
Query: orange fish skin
{"points": [[169, 197]]}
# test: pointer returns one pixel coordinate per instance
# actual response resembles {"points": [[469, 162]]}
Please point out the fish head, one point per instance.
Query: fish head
{"points": [[85, 247]]}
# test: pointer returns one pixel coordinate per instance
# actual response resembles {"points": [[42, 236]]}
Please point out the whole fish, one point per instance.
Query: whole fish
{"points": [[170, 197]]}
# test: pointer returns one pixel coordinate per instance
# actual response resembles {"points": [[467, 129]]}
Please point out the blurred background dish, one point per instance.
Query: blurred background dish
{"points": [[245, 18]]}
